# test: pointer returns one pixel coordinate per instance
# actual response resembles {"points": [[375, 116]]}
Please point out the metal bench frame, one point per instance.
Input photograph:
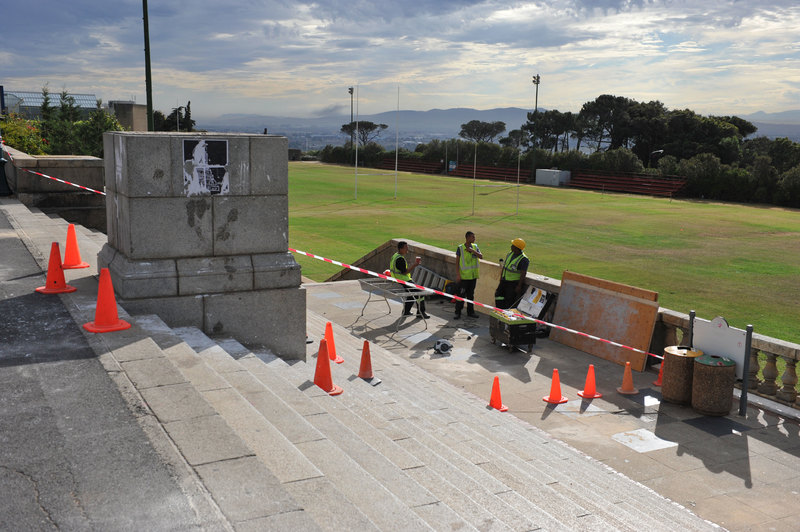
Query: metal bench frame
{"points": [[391, 289]]}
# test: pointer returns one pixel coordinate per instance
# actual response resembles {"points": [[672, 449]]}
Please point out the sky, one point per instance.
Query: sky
{"points": [[298, 58]]}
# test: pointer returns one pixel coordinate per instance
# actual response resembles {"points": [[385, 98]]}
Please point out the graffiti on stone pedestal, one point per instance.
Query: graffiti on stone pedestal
{"points": [[205, 167]]}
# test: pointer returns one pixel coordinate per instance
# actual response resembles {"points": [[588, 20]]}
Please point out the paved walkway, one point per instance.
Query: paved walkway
{"points": [[741, 473], [72, 454]]}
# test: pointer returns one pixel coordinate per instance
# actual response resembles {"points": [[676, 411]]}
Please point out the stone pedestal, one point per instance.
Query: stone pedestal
{"points": [[198, 234]]}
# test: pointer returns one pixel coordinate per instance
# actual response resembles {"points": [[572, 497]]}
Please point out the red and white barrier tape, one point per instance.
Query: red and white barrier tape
{"points": [[51, 177], [506, 312]]}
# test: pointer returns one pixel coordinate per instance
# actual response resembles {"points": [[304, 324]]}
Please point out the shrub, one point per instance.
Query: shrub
{"points": [[788, 191], [617, 160], [90, 132], [23, 135]]}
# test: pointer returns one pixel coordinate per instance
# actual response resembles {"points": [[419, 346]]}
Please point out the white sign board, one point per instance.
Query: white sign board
{"points": [[532, 302], [715, 337]]}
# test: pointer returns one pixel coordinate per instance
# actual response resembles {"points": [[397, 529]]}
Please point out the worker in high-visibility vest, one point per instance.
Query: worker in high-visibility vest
{"points": [[512, 278], [468, 257], [400, 269]]}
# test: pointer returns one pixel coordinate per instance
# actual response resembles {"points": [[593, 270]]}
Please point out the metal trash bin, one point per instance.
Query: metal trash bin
{"points": [[712, 385], [676, 381]]}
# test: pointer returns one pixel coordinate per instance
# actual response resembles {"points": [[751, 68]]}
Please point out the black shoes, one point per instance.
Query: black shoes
{"points": [[472, 315], [423, 315], [457, 316]]}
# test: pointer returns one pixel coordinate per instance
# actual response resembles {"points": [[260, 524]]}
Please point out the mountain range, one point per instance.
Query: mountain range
{"points": [[413, 127]]}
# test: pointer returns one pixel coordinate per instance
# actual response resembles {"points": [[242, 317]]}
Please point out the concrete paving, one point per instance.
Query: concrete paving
{"points": [[738, 472], [73, 456]]}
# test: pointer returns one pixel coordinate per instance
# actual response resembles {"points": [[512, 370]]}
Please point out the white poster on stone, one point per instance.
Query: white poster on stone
{"points": [[205, 167]]}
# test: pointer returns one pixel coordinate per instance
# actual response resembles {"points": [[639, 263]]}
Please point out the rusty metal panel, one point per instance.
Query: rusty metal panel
{"points": [[609, 310]]}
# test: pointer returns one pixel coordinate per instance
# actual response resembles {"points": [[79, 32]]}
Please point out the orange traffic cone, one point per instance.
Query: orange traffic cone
{"points": [[106, 318], [495, 401], [365, 371], [331, 345], [55, 283], [589, 390], [322, 375], [658, 381], [72, 255], [627, 382], [555, 396]]}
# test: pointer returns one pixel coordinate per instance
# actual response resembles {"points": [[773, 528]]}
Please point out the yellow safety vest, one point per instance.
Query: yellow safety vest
{"points": [[393, 268], [468, 263], [510, 272]]}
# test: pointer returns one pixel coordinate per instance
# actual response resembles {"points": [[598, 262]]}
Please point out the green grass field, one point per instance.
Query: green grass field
{"points": [[740, 262]]}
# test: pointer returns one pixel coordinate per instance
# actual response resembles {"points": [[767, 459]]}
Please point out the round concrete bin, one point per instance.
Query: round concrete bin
{"points": [[676, 382], [712, 385]]}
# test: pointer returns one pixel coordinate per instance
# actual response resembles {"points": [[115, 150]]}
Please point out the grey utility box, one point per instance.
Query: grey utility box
{"points": [[198, 227], [552, 178]]}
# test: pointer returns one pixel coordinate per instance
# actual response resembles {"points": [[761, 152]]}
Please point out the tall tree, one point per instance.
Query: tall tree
{"points": [[648, 128], [611, 120], [188, 123], [517, 138], [479, 131], [67, 109], [367, 131]]}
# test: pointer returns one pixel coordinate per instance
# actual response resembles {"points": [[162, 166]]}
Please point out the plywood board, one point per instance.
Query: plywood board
{"points": [[621, 313]]}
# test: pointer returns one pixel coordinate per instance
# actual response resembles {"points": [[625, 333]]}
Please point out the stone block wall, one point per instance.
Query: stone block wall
{"points": [[52, 197], [198, 233]]}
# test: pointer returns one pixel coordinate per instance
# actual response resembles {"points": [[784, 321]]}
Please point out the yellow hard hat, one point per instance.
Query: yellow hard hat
{"points": [[518, 243]]}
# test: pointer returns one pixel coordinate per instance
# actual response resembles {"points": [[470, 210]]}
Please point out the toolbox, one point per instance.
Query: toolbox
{"points": [[514, 331]]}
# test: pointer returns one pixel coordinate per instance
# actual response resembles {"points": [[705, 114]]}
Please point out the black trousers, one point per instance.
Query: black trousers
{"points": [[506, 294], [410, 304], [467, 291]]}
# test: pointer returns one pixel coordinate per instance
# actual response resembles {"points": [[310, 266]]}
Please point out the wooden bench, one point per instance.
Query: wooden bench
{"points": [[496, 173], [413, 165], [630, 183]]}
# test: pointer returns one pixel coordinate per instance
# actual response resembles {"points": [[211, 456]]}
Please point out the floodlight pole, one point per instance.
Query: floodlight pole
{"points": [[519, 156], [396, 141], [536, 79], [356, 143], [474, 172], [350, 90]]}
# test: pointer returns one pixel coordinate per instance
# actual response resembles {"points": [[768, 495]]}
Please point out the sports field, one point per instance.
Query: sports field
{"points": [[739, 262]]}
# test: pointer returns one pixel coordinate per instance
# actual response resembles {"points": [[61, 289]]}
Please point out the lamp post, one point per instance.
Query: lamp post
{"points": [[147, 75], [177, 117], [650, 159]]}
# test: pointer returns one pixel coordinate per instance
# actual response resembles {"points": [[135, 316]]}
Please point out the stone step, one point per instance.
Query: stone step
{"points": [[421, 439], [411, 434], [498, 458], [319, 497], [243, 487], [400, 459], [534, 459], [518, 439], [639, 500], [383, 492], [311, 427], [525, 433]]}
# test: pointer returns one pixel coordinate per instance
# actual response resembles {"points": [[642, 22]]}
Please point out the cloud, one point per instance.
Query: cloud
{"points": [[276, 57]]}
